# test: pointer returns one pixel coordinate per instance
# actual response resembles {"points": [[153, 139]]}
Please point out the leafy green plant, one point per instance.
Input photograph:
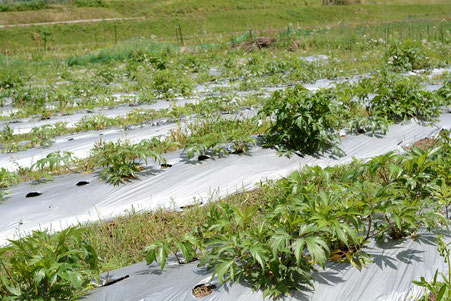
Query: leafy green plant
{"points": [[55, 161], [445, 92], [436, 289], [167, 84], [398, 99], [88, 3], [301, 121], [43, 135], [7, 133], [7, 179], [160, 249], [122, 160], [406, 56], [45, 266], [97, 122], [319, 215], [210, 136]]}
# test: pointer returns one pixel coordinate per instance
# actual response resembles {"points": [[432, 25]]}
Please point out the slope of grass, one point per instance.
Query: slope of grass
{"points": [[199, 19]]}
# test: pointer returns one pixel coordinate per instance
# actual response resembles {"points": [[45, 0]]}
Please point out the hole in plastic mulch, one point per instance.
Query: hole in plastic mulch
{"points": [[82, 183], [190, 206], [203, 290], [238, 151], [165, 166], [361, 131], [113, 281], [203, 157], [33, 194]]}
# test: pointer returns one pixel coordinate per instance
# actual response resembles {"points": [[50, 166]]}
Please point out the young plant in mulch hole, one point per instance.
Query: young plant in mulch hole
{"points": [[203, 290], [303, 122], [242, 144], [184, 250], [201, 150], [122, 160]]}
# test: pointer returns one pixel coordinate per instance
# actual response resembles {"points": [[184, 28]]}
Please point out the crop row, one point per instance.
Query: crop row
{"points": [[296, 120], [385, 85], [43, 135], [67, 89], [273, 243]]}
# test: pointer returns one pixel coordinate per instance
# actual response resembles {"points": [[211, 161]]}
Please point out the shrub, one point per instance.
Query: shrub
{"points": [[46, 266], [7, 179], [24, 5], [122, 160], [397, 98], [406, 56], [88, 3], [445, 92], [168, 84], [212, 135], [319, 215], [400, 99], [10, 79], [301, 121], [55, 161]]}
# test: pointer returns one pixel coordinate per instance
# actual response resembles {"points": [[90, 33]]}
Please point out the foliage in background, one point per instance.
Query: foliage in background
{"points": [[6, 6], [406, 56]]}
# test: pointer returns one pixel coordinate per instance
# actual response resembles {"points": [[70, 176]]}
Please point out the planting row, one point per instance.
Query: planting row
{"points": [[273, 243], [46, 89], [296, 121]]}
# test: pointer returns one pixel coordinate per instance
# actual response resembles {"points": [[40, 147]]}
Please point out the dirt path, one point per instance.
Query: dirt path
{"points": [[70, 22]]}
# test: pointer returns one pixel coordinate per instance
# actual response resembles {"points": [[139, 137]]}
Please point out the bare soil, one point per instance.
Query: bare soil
{"points": [[424, 144], [203, 290], [259, 43]]}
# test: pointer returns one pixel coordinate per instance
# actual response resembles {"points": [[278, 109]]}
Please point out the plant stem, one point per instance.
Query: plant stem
{"points": [[370, 220]]}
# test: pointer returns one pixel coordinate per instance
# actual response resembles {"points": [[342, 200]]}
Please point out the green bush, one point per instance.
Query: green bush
{"points": [[7, 179], [9, 80], [23, 5], [319, 215], [88, 3], [122, 160], [168, 84], [301, 121], [445, 92], [46, 266], [210, 136], [57, 160], [406, 56], [400, 98]]}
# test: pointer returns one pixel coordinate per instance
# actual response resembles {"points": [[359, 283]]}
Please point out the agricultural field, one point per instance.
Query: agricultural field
{"points": [[229, 150]]}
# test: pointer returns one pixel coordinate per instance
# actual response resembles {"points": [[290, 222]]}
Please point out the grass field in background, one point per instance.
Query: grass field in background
{"points": [[201, 21]]}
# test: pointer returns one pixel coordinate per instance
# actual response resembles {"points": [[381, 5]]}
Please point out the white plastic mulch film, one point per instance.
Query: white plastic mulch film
{"points": [[75, 198], [62, 202], [388, 278]]}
